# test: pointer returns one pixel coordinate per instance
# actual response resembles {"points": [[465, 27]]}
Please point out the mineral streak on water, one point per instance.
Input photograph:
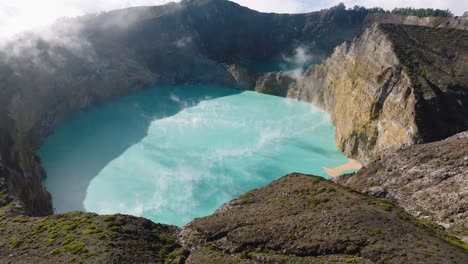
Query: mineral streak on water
{"points": [[172, 154]]}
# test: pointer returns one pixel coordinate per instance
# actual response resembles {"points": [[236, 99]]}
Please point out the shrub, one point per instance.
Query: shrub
{"points": [[54, 251], [75, 247], [49, 241], [19, 219], [109, 218], [15, 241]]}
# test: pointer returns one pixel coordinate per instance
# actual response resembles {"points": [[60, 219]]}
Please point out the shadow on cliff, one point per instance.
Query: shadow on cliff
{"points": [[81, 147]]}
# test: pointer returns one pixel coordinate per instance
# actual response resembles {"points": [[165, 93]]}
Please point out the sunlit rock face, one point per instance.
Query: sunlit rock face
{"points": [[175, 153], [384, 91]]}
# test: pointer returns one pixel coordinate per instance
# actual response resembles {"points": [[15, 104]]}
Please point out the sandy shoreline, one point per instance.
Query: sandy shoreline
{"points": [[337, 171]]}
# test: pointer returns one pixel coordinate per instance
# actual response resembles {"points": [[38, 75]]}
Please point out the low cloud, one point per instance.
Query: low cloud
{"points": [[296, 63], [300, 57], [21, 15]]}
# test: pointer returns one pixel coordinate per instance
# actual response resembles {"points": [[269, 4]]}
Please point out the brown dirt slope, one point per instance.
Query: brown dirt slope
{"points": [[304, 219]]}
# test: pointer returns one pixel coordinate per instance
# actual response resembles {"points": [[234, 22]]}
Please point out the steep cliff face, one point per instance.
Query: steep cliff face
{"points": [[365, 88], [430, 181], [238, 35], [394, 85]]}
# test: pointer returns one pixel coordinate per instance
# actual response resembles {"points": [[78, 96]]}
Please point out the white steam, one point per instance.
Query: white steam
{"points": [[296, 64], [22, 15]]}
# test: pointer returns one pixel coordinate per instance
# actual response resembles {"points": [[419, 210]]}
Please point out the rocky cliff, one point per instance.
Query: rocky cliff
{"points": [[393, 85], [430, 181]]}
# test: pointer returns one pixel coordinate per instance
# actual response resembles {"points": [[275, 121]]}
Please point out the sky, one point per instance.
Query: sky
{"points": [[21, 15]]}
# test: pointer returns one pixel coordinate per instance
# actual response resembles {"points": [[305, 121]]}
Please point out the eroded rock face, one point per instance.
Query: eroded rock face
{"points": [[392, 86], [304, 219], [368, 94], [430, 181]]}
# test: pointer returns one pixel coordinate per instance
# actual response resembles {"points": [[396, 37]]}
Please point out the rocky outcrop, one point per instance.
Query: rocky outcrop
{"points": [[433, 22], [274, 83], [303, 219], [430, 181], [244, 77], [394, 85]]}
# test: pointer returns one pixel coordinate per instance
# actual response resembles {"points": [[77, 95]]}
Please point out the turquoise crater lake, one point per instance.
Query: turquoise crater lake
{"points": [[172, 154]]}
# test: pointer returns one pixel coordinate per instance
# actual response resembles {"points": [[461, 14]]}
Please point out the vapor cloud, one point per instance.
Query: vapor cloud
{"points": [[297, 62], [21, 15]]}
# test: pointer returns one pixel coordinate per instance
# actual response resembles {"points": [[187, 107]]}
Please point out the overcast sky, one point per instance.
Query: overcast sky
{"points": [[20, 15]]}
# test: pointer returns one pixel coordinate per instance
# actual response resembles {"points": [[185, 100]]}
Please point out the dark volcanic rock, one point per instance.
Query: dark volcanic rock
{"points": [[303, 219], [430, 181]]}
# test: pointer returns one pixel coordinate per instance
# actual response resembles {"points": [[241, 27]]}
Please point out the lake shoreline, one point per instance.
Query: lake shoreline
{"points": [[337, 171]]}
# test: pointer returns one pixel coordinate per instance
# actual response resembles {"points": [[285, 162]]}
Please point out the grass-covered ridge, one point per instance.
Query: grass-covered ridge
{"points": [[85, 238]]}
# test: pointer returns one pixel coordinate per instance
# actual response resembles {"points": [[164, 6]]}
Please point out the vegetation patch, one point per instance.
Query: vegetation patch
{"points": [[76, 247], [15, 241], [19, 219]]}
